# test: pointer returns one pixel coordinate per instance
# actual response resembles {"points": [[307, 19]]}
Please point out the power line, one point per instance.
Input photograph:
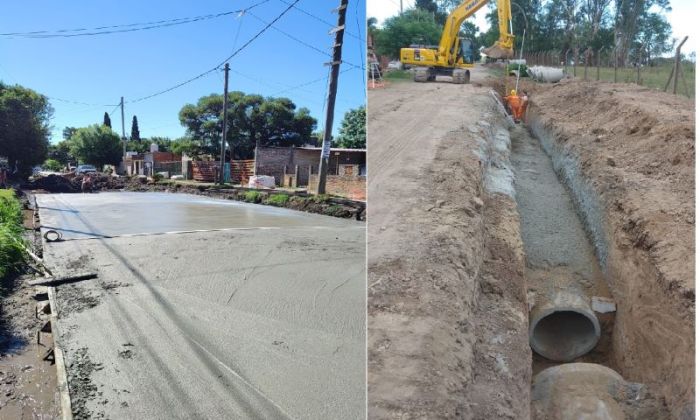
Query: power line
{"points": [[241, 48], [332, 25], [130, 27], [304, 43], [53, 98], [362, 49], [307, 83]]}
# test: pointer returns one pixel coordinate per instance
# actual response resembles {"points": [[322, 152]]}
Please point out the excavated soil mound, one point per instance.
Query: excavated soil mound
{"points": [[641, 140], [71, 183], [52, 183], [104, 182]]}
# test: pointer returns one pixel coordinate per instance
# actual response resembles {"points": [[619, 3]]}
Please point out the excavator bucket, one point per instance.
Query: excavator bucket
{"points": [[497, 51]]}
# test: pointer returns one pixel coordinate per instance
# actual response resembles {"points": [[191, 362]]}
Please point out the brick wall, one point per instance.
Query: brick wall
{"points": [[353, 187], [272, 161]]}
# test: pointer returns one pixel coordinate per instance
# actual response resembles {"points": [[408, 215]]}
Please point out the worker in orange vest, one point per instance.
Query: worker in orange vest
{"points": [[516, 105]]}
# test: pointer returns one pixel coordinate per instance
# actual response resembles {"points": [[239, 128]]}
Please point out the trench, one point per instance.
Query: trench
{"points": [[562, 270], [572, 314]]}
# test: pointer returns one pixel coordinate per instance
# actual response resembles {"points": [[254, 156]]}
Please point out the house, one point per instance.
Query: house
{"points": [[153, 162], [297, 167]]}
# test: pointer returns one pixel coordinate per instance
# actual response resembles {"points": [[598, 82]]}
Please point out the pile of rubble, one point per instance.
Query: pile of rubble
{"points": [[71, 183]]}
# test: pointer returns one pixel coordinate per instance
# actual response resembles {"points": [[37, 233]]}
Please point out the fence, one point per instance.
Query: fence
{"points": [[667, 74], [208, 171], [172, 168]]}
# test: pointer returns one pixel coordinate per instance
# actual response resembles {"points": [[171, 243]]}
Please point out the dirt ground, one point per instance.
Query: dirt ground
{"points": [[27, 382], [636, 148], [444, 256], [447, 269]]}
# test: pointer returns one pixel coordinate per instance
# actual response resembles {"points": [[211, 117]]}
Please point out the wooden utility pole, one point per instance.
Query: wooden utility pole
{"points": [[401, 6], [223, 130], [121, 104], [332, 88]]}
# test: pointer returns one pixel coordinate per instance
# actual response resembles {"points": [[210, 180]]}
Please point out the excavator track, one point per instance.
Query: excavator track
{"points": [[422, 74], [460, 76]]}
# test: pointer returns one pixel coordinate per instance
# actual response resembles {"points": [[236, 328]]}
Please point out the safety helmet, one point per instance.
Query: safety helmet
{"points": [[512, 92]]}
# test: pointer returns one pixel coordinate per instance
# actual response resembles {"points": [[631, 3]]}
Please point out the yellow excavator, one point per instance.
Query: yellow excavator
{"points": [[452, 57]]}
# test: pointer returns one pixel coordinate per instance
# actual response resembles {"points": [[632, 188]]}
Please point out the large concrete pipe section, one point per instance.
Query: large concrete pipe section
{"points": [[545, 74], [563, 326], [579, 391]]}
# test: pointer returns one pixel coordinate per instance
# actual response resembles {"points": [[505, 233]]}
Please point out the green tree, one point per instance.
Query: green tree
{"points": [[135, 134], [252, 120], [353, 129], [68, 132], [184, 146], [414, 26], [24, 126], [60, 152], [653, 39], [106, 121], [52, 165], [96, 144]]}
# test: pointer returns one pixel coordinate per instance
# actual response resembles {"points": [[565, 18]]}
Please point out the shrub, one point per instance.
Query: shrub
{"points": [[52, 165], [320, 198], [11, 251], [279, 200], [252, 196], [523, 69]]}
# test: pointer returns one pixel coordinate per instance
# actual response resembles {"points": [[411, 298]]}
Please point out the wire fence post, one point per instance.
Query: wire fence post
{"points": [[586, 56], [615, 64], [676, 68], [597, 61], [566, 59], [575, 60]]}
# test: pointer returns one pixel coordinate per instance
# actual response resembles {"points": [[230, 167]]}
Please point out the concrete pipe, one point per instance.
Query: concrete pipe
{"points": [[546, 74], [578, 391], [563, 326]]}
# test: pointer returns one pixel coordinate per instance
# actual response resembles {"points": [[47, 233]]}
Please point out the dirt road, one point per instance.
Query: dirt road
{"points": [[262, 319], [447, 312], [603, 176]]}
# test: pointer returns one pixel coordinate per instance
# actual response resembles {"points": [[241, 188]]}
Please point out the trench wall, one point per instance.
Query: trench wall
{"points": [[652, 341]]}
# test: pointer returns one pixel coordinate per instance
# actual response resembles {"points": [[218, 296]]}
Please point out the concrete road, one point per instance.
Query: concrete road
{"points": [[262, 318]]}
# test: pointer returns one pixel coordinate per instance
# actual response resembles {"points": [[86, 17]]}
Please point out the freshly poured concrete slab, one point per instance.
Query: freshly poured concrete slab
{"points": [[127, 213], [241, 323]]}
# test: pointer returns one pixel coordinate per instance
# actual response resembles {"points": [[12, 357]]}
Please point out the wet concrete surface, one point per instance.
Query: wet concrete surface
{"points": [[241, 323], [552, 233], [554, 238], [128, 213]]}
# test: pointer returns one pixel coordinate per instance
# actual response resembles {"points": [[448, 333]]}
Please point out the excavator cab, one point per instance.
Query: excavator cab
{"points": [[466, 51]]}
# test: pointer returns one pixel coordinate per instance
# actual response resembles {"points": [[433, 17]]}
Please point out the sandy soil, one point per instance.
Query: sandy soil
{"points": [[635, 147], [438, 267]]}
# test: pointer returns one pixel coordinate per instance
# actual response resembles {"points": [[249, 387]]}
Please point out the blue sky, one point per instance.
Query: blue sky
{"points": [[97, 70]]}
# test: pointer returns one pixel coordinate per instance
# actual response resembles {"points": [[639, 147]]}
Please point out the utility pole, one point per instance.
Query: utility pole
{"points": [[121, 103], [223, 131], [332, 89], [401, 6]]}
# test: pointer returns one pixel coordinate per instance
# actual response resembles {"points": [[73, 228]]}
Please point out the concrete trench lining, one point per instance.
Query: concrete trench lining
{"points": [[563, 327], [567, 166]]}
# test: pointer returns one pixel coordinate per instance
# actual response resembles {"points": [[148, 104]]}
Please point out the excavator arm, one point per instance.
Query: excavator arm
{"points": [[503, 48], [449, 58]]}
